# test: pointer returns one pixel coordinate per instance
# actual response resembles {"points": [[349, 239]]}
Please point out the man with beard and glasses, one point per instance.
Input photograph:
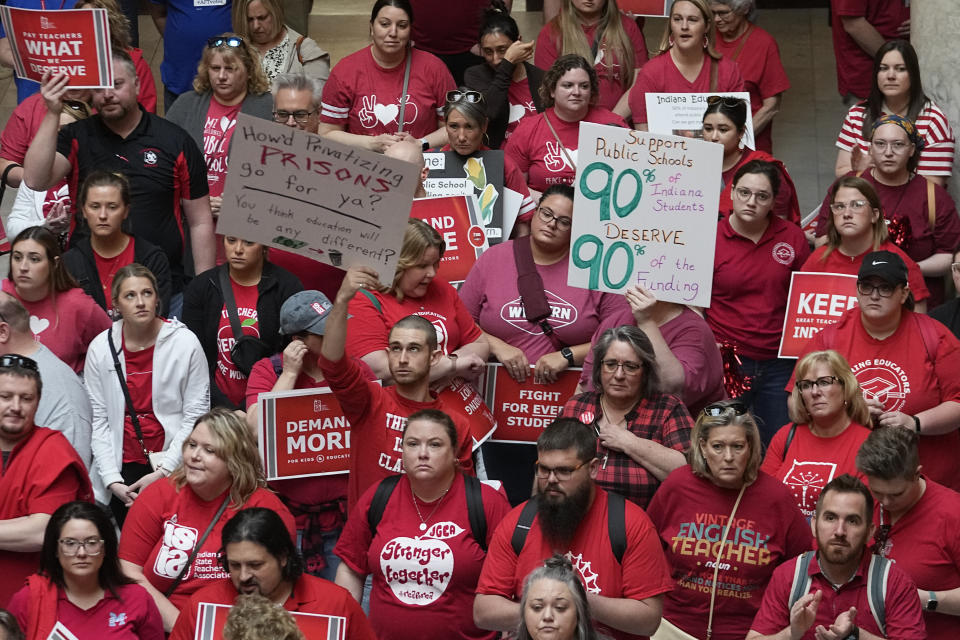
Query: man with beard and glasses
{"points": [[167, 172], [571, 518], [261, 558], [836, 580]]}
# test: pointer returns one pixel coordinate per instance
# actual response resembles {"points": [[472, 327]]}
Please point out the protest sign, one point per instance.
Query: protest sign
{"points": [[681, 114], [646, 213], [211, 618], [72, 41], [455, 218], [658, 8], [524, 409], [816, 300], [60, 632], [303, 434], [462, 399], [295, 191], [480, 175]]}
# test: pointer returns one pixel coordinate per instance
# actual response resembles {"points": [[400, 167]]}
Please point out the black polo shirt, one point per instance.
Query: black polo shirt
{"points": [[163, 165]]}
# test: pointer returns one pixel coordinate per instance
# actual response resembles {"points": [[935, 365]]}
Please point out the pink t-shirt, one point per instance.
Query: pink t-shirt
{"points": [[67, 326], [365, 98], [491, 296], [422, 579], [217, 131], [838, 262], [227, 377], [854, 65], [690, 513], [661, 75]]}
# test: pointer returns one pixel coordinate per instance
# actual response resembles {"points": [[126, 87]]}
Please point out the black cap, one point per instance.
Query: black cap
{"points": [[885, 265]]}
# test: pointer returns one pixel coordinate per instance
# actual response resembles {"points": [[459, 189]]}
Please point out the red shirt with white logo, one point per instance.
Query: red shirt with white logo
{"points": [[139, 369], [217, 131], [423, 578], [521, 105], [661, 75], [838, 262], [108, 267], [228, 379], [491, 296], [748, 311]]}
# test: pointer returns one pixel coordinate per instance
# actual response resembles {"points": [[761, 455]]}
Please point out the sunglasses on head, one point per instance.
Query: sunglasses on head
{"points": [[718, 409], [13, 360], [731, 103], [467, 96], [232, 42]]}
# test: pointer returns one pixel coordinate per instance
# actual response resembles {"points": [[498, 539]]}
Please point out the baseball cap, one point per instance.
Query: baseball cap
{"points": [[305, 311], [885, 265]]}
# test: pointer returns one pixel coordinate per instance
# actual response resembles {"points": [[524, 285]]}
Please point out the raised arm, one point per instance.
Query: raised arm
{"points": [[43, 166], [335, 331]]}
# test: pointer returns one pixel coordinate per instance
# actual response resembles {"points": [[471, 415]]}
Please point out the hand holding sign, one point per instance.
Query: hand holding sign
{"points": [[358, 277], [53, 86]]}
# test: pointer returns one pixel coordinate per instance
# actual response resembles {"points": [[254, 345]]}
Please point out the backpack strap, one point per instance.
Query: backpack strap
{"points": [[277, 361], [380, 498], [617, 524], [931, 204], [786, 445], [928, 333], [801, 578], [478, 519], [524, 522], [373, 300], [877, 576]]}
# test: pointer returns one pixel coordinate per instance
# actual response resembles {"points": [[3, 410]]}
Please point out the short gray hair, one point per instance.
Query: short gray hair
{"points": [[739, 7], [298, 82], [642, 346], [559, 569]]}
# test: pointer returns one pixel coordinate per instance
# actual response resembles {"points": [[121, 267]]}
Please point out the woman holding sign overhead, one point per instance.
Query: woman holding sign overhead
{"points": [[687, 63], [746, 314]]}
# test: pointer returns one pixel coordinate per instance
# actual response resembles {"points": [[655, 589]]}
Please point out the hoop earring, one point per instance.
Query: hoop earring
{"points": [[706, 42]]}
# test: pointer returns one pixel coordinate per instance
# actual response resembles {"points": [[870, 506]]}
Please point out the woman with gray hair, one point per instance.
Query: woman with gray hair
{"points": [[642, 432], [725, 526], [554, 604], [756, 53]]}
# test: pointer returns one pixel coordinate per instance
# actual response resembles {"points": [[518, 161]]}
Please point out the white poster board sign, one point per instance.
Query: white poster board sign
{"points": [[681, 114], [646, 213], [298, 192]]}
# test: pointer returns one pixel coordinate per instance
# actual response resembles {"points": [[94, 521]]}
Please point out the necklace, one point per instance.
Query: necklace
{"points": [[423, 521]]}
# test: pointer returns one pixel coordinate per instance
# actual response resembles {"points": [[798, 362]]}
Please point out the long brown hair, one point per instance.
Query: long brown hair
{"points": [[60, 279], [610, 35]]}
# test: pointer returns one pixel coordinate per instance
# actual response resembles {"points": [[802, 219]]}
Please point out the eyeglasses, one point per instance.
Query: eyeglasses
{"points": [[233, 42], [562, 473], [717, 409], [300, 117], [727, 101], [854, 205], [744, 195], [722, 15], [885, 290], [563, 222], [897, 146], [629, 368], [823, 383], [14, 360], [71, 547], [468, 96]]}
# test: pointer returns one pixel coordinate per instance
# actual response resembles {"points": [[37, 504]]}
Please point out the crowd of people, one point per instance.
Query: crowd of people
{"points": [[696, 485]]}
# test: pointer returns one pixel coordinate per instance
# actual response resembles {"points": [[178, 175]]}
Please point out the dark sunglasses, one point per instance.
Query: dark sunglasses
{"points": [[468, 96], [728, 102], [14, 360], [718, 409], [232, 42]]}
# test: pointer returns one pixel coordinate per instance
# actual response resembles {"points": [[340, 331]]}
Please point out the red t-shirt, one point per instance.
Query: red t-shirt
{"points": [[925, 542], [854, 65], [228, 379], [785, 205], [368, 328], [690, 513], [661, 75], [67, 327], [421, 578], [443, 27], [812, 461], [139, 368], [905, 374], [108, 267], [314, 275], [365, 98], [377, 416], [838, 262], [904, 619], [163, 526], [521, 105], [21, 127], [642, 574], [610, 71], [131, 616], [310, 595], [217, 131], [757, 55], [536, 152], [749, 311]]}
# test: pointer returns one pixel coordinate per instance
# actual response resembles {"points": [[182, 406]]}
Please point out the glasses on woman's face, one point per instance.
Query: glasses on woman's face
{"points": [[744, 195], [853, 205], [233, 42], [897, 146], [718, 409], [300, 117], [884, 289], [547, 216], [629, 368], [822, 382], [563, 473], [466, 96], [71, 546]]}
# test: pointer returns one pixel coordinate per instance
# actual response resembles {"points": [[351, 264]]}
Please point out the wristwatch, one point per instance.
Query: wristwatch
{"points": [[568, 354], [916, 421], [424, 144], [932, 602], [855, 634]]}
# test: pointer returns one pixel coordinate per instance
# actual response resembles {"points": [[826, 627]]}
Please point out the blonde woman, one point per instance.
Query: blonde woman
{"points": [[281, 49]]}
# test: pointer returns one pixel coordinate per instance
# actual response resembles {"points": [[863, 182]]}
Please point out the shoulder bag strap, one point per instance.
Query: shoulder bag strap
{"points": [[786, 445], [524, 522], [617, 524], [373, 300], [532, 294], [403, 92], [716, 564], [739, 49], [301, 38], [475, 513], [566, 154], [714, 73], [229, 302], [196, 549], [931, 204], [126, 394]]}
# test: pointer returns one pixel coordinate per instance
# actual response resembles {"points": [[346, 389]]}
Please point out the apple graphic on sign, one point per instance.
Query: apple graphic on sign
{"points": [[419, 569]]}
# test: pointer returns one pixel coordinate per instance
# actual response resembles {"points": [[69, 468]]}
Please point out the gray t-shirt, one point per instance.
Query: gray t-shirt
{"points": [[64, 404]]}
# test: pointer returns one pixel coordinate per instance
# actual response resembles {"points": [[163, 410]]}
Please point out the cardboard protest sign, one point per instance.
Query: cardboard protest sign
{"points": [[462, 399], [523, 410], [480, 175], [293, 190], [303, 434], [681, 114], [816, 300], [646, 213], [72, 41], [455, 217], [658, 8], [211, 618]]}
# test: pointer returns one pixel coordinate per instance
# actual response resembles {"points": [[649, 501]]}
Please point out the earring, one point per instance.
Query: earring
{"points": [[706, 42]]}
